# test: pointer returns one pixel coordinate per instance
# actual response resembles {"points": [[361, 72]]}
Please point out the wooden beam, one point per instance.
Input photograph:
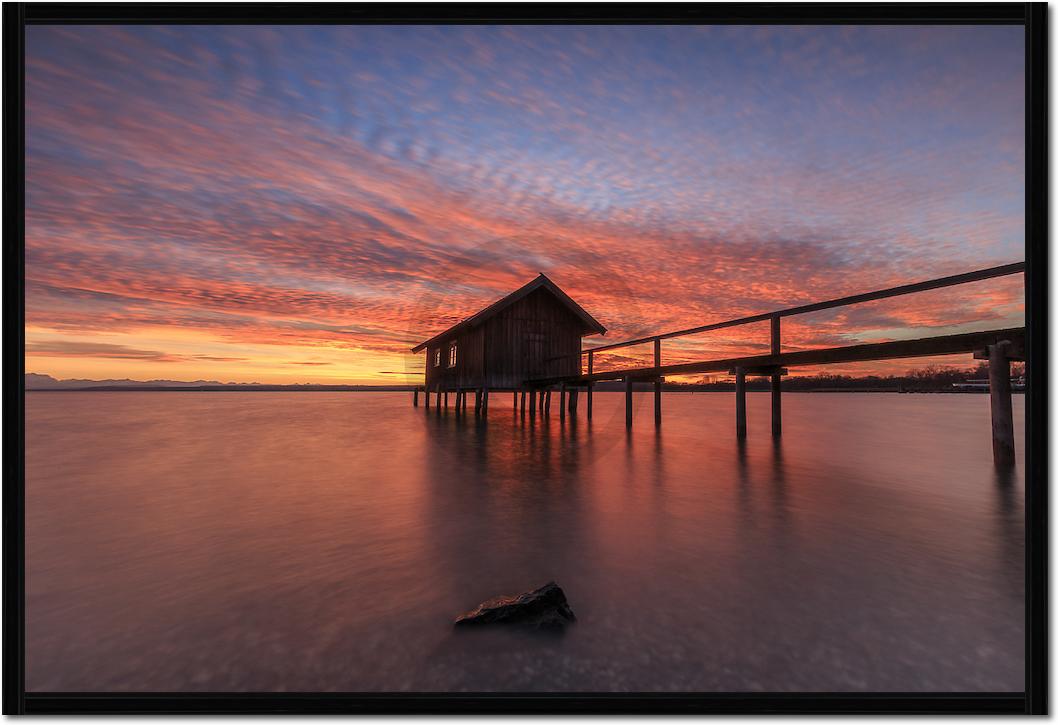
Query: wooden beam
{"points": [[896, 349], [740, 403], [1002, 406]]}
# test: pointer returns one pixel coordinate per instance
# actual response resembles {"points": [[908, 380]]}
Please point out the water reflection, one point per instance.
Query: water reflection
{"points": [[331, 538]]}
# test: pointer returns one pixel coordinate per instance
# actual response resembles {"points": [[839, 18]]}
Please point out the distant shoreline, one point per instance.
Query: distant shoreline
{"points": [[368, 389], [227, 389]]}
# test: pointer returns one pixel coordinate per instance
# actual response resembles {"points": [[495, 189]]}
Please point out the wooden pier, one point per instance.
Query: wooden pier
{"points": [[999, 347]]}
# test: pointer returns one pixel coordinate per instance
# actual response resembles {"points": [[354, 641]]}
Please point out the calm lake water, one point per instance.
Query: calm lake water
{"points": [[325, 541]]}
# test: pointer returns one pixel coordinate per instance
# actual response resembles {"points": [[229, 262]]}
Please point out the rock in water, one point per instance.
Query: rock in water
{"points": [[543, 607]]}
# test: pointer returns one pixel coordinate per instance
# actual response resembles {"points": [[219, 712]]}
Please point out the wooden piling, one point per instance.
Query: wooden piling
{"points": [[477, 401], [426, 394], [657, 383], [628, 401], [446, 400], [573, 401], [547, 402], [485, 400], [591, 369], [521, 402], [740, 402], [415, 398], [1002, 405], [562, 401], [776, 404], [532, 402], [776, 377]]}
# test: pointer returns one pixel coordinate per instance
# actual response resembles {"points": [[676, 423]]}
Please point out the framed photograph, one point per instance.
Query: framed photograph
{"points": [[456, 358]]}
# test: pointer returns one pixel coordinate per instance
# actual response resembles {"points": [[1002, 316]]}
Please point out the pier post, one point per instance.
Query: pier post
{"points": [[1002, 406], [477, 401], [485, 400], [776, 378], [573, 401], [740, 402], [415, 398], [514, 403], [446, 400], [532, 402], [426, 393], [657, 383], [547, 403], [591, 369], [521, 403], [562, 401], [628, 401], [776, 404]]}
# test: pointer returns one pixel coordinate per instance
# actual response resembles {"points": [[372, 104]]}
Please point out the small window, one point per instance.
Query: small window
{"points": [[452, 356], [437, 358]]}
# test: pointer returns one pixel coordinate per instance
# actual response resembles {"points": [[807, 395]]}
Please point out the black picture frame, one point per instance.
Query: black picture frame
{"points": [[1034, 700]]}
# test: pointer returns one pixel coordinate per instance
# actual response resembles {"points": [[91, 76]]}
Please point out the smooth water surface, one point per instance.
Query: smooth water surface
{"points": [[324, 541]]}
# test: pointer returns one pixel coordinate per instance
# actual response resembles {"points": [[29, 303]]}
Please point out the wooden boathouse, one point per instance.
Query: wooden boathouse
{"points": [[530, 342], [534, 332]]}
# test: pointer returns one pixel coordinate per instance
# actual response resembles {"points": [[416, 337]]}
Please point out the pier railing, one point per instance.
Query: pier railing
{"points": [[776, 316]]}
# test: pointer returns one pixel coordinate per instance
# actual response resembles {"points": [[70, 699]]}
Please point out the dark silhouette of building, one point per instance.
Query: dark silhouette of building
{"points": [[533, 332]]}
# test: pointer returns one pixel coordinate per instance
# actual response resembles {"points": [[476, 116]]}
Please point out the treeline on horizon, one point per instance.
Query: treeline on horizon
{"points": [[932, 378]]}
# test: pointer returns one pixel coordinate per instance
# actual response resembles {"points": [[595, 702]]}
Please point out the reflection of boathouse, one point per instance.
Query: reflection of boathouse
{"points": [[534, 332]]}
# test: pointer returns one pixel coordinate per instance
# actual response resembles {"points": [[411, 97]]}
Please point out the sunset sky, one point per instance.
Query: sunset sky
{"points": [[304, 204]]}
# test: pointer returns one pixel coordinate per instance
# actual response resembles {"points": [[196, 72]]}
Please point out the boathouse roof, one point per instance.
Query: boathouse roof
{"points": [[591, 325]]}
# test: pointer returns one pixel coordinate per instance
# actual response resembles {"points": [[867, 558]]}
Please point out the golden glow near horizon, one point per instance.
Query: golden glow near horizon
{"points": [[193, 215]]}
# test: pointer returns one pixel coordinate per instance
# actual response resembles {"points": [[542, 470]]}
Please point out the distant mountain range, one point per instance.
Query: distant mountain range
{"points": [[35, 381]]}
